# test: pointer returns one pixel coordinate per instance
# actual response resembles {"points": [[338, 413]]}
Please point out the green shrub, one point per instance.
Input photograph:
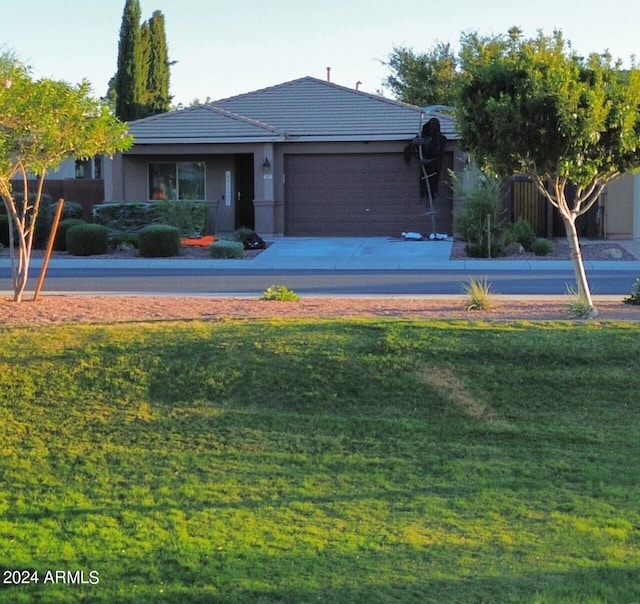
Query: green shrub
{"points": [[541, 246], [43, 222], [523, 233], [189, 217], [249, 238], [481, 249], [281, 293], [117, 239], [480, 222], [71, 209], [634, 296], [159, 241], [60, 243], [225, 248], [241, 234], [87, 240]]}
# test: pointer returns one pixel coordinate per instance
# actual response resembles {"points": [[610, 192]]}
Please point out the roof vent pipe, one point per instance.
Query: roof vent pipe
{"points": [[328, 74], [358, 84]]}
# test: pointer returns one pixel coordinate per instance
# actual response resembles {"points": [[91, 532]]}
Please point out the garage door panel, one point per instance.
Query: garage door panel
{"points": [[356, 194]]}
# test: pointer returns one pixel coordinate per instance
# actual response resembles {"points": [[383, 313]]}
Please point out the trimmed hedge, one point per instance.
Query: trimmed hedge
{"points": [[60, 243], [190, 217], [159, 241], [87, 240], [225, 248]]}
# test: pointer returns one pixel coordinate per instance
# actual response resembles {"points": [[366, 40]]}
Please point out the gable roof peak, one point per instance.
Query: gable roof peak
{"points": [[299, 82]]}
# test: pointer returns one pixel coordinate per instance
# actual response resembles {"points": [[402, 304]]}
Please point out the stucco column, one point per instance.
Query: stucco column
{"points": [[112, 172], [265, 169]]}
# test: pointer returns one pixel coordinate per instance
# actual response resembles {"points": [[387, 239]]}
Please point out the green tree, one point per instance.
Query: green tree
{"points": [[157, 98], [423, 79], [42, 123], [534, 107], [129, 82]]}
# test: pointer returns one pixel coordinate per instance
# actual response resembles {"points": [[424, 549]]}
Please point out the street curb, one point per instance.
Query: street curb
{"points": [[343, 265]]}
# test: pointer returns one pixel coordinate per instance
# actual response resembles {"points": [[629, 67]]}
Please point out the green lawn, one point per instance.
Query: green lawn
{"points": [[368, 461]]}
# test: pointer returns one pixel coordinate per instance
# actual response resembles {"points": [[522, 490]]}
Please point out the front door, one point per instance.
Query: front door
{"points": [[245, 217]]}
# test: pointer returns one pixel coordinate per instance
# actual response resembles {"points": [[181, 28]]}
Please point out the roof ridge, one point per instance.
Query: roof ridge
{"points": [[252, 92], [370, 95], [164, 114], [241, 118]]}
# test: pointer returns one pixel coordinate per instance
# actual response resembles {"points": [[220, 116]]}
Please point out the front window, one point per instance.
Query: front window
{"points": [[83, 168], [176, 181]]}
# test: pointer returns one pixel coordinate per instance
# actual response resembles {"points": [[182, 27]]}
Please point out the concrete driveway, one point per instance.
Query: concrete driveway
{"points": [[343, 253], [354, 253]]}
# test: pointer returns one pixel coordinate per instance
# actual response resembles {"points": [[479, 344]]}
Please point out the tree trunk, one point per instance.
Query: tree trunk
{"points": [[19, 284], [21, 271], [578, 265]]}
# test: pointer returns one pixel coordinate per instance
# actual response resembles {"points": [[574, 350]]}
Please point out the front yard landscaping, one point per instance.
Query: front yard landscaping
{"points": [[342, 461]]}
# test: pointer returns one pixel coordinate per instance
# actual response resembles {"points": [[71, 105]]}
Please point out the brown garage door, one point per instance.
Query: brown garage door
{"points": [[357, 195]]}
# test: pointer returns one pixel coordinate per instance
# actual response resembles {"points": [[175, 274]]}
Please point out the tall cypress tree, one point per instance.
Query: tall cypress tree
{"points": [[145, 52], [129, 82], [157, 99]]}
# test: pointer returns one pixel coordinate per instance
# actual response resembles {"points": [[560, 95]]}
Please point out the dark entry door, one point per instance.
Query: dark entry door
{"points": [[244, 192]]}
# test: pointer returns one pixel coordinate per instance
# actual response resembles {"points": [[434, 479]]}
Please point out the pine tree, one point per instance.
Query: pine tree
{"points": [[157, 98], [129, 82]]}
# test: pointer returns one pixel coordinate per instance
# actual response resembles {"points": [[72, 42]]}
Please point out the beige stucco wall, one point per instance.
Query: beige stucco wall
{"points": [[619, 208], [129, 182], [127, 175]]}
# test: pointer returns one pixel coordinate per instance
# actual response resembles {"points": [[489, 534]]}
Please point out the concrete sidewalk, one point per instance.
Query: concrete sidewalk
{"points": [[346, 253]]}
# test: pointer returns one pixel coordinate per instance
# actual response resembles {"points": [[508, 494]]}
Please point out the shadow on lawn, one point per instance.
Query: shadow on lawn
{"points": [[351, 580]]}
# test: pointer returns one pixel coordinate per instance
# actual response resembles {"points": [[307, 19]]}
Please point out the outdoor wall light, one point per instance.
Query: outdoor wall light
{"points": [[266, 166]]}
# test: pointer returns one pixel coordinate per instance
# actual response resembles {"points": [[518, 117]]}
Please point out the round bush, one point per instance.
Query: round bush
{"points": [[523, 233], [87, 240], [541, 246], [159, 241], [224, 249], [60, 243]]}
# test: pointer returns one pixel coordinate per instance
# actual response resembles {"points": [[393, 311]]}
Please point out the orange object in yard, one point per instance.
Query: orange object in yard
{"points": [[205, 241]]}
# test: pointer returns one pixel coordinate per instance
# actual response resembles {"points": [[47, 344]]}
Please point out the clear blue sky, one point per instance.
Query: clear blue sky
{"points": [[229, 47]]}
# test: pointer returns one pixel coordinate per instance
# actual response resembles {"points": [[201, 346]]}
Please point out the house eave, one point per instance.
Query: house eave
{"points": [[206, 140]]}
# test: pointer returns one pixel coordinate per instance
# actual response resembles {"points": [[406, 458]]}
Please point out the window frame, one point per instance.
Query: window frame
{"points": [[152, 195]]}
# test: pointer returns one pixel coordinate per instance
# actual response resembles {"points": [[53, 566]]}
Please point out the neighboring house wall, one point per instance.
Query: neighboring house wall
{"points": [[619, 208], [86, 192], [64, 183]]}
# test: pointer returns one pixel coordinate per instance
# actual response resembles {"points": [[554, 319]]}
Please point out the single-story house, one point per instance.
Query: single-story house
{"points": [[305, 158]]}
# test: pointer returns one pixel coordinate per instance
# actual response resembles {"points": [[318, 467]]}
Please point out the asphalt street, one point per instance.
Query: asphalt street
{"points": [[318, 282], [326, 266]]}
